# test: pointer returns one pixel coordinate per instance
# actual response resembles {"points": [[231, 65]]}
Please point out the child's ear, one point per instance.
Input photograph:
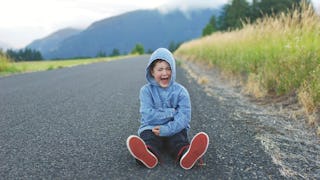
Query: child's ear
{"points": [[151, 72]]}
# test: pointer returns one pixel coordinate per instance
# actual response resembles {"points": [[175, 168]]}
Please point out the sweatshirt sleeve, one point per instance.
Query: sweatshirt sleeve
{"points": [[181, 118], [150, 114]]}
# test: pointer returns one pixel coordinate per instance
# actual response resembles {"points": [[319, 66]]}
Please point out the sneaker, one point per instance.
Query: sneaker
{"points": [[198, 147], [139, 150]]}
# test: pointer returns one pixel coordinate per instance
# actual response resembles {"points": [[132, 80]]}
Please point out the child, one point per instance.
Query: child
{"points": [[165, 115]]}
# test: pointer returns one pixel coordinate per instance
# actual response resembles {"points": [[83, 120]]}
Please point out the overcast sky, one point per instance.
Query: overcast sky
{"points": [[22, 21]]}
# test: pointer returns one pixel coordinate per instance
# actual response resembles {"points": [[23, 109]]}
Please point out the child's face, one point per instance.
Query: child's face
{"points": [[162, 73]]}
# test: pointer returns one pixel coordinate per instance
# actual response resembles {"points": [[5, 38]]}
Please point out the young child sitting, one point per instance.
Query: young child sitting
{"points": [[165, 110]]}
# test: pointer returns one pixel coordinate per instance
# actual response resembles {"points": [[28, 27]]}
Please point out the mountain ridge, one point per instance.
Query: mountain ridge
{"points": [[151, 28], [51, 41]]}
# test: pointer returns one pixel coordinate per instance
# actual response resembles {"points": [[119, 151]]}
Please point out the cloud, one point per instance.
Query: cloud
{"points": [[186, 5], [22, 21]]}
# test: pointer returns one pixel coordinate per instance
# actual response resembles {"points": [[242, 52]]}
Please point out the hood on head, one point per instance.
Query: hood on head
{"points": [[164, 54]]}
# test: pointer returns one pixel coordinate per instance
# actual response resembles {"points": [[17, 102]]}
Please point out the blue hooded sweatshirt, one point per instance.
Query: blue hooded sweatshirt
{"points": [[169, 107]]}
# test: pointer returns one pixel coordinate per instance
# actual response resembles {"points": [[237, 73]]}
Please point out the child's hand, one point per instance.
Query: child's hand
{"points": [[156, 130]]}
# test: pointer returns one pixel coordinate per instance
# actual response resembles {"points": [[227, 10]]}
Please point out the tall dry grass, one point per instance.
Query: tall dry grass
{"points": [[277, 55], [5, 63]]}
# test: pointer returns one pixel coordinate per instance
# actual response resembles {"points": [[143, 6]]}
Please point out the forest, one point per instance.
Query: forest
{"points": [[237, 12]]}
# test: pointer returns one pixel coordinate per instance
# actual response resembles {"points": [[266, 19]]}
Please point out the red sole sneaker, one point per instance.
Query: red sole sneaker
{"points": [[198, 147], [139, 150]]}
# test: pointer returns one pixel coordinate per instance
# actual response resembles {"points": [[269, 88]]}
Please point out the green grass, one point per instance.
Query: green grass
{"points": [[279, 55], [7, 67]]}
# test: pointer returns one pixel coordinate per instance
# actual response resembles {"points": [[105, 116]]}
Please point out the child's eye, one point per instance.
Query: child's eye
{"points": [[161, 69]]}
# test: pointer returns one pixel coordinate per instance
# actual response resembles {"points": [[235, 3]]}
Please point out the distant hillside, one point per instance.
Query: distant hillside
{"points": [[149, 27], [51, 43]]}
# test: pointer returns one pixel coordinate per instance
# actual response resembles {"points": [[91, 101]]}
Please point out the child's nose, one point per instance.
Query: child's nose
{"points": [[165, 72]]}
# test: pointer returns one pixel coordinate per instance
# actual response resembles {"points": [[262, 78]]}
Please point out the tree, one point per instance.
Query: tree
{"points": [[269, 7], [240, 10], [26, 54], [237, 12], [101, 54], [254, 11], [207, 30], [274, 7], [115, 52], [210, 27], [138, 49], [150, 51], [173, 46]]}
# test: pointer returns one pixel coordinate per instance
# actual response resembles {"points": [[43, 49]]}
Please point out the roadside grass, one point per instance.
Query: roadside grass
{"points": [[4, 61], [8, 67], [277, 55]]}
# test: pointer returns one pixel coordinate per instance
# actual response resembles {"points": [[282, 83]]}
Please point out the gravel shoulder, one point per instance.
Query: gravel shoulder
{"points": [[276, 125]]}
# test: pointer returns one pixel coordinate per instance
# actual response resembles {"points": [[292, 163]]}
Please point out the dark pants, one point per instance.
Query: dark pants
{"points": [[174, 145]]}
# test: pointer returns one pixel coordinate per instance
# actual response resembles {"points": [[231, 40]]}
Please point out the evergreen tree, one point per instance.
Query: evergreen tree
{"points": [[207, 30], [26, 54], [173, 46], [115, 52], [210, 27], [275, 7], [149, 51], [101, 54], [255, 10], [240, 10], [138, 49], [237, 12]]}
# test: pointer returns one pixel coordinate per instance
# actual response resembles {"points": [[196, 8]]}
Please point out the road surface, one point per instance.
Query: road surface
{"points": [[73, 123]]}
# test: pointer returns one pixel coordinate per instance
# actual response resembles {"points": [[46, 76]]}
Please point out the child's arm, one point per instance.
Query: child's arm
{"points": [[181, 118], [150, 114]]}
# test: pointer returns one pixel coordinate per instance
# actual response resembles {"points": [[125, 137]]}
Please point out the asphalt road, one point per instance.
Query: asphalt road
{"points": [[73, 123]]}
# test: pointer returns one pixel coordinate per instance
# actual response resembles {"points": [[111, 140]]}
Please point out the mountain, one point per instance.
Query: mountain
{"points": [[51, 43], [151, 28]]}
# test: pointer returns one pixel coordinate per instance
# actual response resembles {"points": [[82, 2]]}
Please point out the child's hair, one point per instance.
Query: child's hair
{"points": [[153, 64]]}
